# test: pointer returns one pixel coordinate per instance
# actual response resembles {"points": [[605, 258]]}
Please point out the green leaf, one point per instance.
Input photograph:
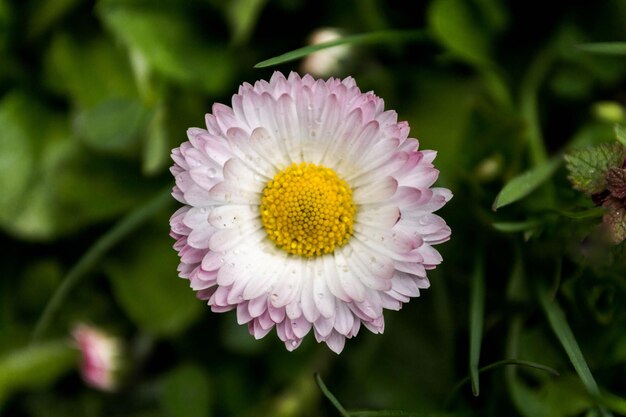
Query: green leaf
{"points": [[525, 183], [45, 13], [35, 367], [616, 182], [242, 15], [17, 150], [109, 74], [604, 48], [114, 125], [29, 154], [171, 45], [156, 150], [457, 28], [386, 36], [147, 287], [588, 167], [620, 134], [561, 329], [476, 317], [52, 185], [186, 392]]}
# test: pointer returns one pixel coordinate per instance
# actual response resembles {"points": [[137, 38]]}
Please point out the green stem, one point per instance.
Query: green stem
{"points": [[330, 396], [122, 229]]}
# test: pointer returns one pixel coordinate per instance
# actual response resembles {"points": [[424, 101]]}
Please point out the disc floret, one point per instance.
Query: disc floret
{"points": [[307, 210]]}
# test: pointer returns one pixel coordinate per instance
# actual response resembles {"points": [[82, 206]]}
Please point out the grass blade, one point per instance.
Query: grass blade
{"points": [[401, 413], [604, 48], [513, 227], [613, 402], [564, 333], [477, 308], [525, 183], [362, 38], [122, 229], [498, 364]]}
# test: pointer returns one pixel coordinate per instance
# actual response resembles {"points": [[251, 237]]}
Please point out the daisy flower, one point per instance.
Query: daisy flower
{"points": [[100, 356], [306, 208]]}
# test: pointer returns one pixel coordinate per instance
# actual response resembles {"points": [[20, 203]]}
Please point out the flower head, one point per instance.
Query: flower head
{"points": [[306, 207], [101, 356]]}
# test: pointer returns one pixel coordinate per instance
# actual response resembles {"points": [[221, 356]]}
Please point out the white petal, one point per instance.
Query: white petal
{"points": [[232, 192], [243, 316], [332, 279], [344, 319], [324, 325], [276, 314], [196, 217], [300, 327], [347, 278], [382, 216], [227, 239], [227, 274], [309, 309], [324, 300], [374, 270], [232, 215], [257, 306], [288, 285], [269, 149], [375, 192], [259, 284], [336, 342], [200, 237], [212, 261]]}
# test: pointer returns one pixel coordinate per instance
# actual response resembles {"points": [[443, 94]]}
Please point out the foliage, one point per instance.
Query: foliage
{"points": [[95, 93]]}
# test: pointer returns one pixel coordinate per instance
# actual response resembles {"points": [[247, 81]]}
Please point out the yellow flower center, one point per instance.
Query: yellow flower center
{"points": [[307, 210]]}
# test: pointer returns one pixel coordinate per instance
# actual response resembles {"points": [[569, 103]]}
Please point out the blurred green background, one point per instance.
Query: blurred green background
{"points": [[95, 94]]}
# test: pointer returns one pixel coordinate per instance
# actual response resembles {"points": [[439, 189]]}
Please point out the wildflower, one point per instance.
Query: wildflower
{"points": [[306, 207], [101, 356], [326, 61]]}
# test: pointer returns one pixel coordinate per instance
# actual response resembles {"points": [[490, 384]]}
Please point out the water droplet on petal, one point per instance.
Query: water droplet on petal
{"points": [[212, 172], [294, 343]]}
